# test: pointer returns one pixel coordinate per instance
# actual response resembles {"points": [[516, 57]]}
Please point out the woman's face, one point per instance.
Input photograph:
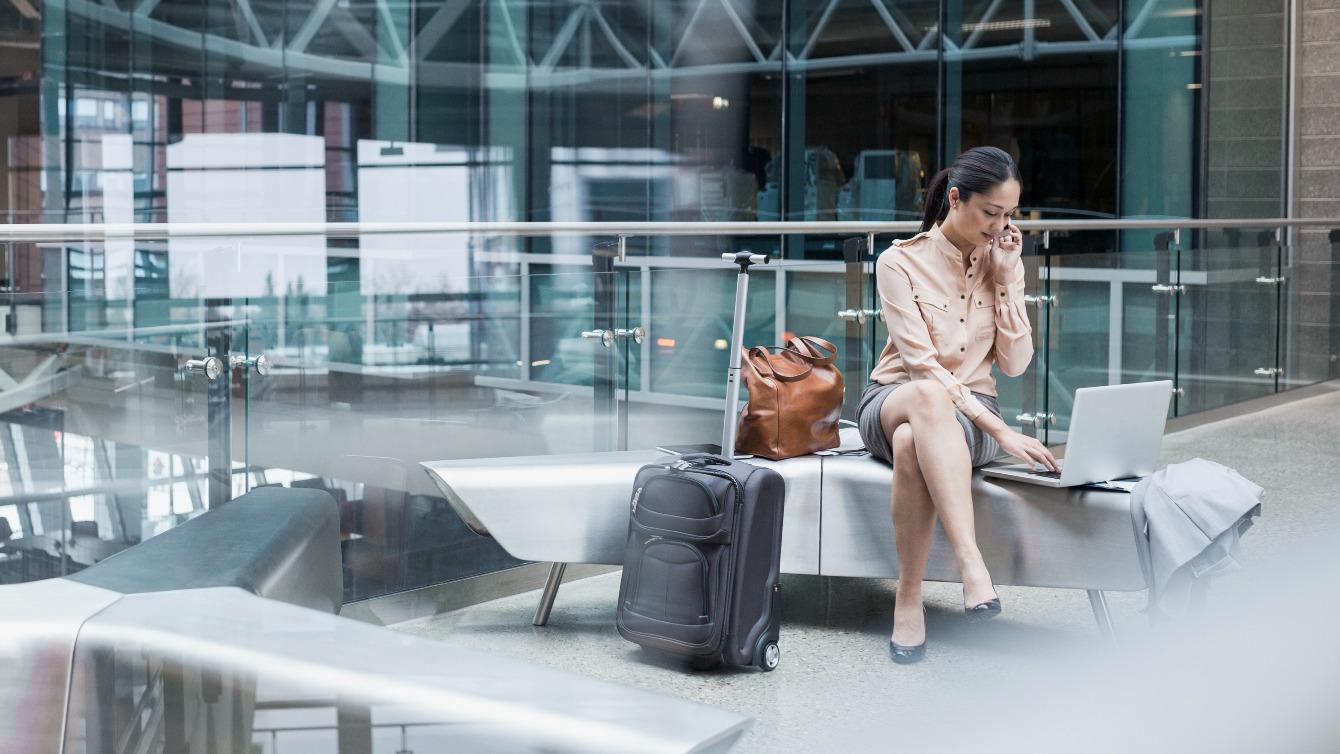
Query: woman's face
{"points": [[983, 216]]}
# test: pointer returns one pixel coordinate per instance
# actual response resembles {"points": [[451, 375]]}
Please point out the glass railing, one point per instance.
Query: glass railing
{"points": [[168, 374]]}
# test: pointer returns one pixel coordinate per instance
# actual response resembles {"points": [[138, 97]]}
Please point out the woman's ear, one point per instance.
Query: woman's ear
{"points": [[953, 197]]}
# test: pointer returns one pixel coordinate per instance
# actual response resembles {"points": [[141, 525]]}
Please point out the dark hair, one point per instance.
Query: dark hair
{"points": [[976, 171]]}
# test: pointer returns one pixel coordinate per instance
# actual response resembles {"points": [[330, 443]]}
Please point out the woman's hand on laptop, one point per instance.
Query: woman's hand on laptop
{"points": [[1027, 449]]}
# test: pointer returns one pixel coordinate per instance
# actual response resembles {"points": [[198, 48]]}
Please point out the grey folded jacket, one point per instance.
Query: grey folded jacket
{"points": [[1188, 519]]}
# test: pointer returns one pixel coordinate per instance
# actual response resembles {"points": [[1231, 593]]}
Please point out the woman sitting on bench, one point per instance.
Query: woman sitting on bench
{"points": [[953, 299]]}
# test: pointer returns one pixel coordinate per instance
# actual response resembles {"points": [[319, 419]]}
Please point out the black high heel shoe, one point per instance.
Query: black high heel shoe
{"points": [[983, 611], [905, 655]]}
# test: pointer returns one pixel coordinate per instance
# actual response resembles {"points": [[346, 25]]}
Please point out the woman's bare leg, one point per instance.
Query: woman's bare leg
{"points": [[946, 467], [913, 527]]}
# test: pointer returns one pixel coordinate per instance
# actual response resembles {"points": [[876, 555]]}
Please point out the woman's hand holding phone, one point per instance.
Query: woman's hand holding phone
{"points": [[1006, 250]]}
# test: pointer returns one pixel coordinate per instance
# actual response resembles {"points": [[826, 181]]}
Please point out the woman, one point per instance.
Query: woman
{"points": [[953, 299]]}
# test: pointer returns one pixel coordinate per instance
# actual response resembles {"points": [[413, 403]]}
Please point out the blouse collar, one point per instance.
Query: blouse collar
{"points": [[946, 246]]}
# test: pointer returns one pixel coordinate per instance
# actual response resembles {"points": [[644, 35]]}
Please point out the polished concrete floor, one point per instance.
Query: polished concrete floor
{"points": [[836, 686]]}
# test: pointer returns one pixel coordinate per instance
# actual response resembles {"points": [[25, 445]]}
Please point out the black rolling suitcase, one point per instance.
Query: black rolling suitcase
{"points": [[703, 558]]}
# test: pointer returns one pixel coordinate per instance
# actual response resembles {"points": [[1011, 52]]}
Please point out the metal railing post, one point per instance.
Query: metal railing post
{"points": [[219, 409], [605, 379]]}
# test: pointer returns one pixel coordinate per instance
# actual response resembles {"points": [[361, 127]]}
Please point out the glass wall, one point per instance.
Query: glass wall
{"points": [[511, 109], [402, 348]]}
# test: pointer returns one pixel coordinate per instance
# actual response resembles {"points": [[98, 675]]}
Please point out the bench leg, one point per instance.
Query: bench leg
{"points": [[549, 594], [1098, 601]]}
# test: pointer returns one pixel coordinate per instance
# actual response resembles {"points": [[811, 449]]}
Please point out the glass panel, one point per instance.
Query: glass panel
{"points": [[1107, 325], [1310, 307], [1227, 319], [815, 293], [95, 415], [691, 313], [686, 313], [382, 364], [1161, 84], [1027, 393]]}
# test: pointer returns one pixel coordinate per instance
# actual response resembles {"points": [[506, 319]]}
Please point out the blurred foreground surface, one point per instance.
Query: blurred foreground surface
{"points": [[1254, 672]]}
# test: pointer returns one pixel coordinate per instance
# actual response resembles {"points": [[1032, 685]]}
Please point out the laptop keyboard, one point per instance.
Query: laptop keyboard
{"points": [[1048, 474]]}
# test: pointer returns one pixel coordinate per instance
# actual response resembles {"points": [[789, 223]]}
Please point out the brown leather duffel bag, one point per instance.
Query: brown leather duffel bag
{"points": [[795, 399]]}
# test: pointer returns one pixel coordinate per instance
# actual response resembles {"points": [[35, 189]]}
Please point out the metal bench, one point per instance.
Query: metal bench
{"points": [[188, 639], [281, 544], [573, 508]]}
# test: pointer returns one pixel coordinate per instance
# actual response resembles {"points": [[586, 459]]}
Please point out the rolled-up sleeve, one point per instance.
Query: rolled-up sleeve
{"points": [[1014, 334], [908, 332]]}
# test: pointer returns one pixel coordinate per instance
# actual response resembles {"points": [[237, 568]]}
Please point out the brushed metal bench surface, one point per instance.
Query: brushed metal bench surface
{"points": [[1076, 538], [476, 702], [278, 543], [573, 508]]}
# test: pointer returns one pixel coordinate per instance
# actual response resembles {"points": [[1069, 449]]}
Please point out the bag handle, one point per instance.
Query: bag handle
{"points": [[760, 355], [809, 347]]}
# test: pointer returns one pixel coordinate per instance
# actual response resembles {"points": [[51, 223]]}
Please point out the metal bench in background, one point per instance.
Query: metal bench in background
{"points": [[274, 542]]}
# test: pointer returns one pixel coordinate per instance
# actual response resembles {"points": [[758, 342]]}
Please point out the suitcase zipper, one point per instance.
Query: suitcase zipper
{"points": [[671, 534]]}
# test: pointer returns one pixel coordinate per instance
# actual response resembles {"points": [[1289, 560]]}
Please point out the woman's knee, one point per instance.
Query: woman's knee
{"points": [[904, 447], [931, 400]]}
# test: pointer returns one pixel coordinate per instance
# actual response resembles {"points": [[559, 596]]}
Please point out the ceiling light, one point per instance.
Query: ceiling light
{"points": [[1022, 23]]}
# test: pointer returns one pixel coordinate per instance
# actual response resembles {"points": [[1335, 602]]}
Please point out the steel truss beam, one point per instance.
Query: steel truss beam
{"points": [[543, 71]]}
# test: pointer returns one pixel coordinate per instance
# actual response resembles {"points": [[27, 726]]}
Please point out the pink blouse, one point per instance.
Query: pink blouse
{"points": [[948, 322]]}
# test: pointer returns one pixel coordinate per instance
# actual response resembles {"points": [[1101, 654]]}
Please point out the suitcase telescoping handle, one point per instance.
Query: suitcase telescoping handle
{"points": [[744, 260]]}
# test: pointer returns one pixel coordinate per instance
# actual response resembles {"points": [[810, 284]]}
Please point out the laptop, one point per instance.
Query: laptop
{"points": [[1116, 433]]}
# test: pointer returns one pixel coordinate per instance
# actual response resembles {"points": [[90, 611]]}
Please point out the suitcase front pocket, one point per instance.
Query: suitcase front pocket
{"points": [[712, 530], [672, 583], [682, 495]]}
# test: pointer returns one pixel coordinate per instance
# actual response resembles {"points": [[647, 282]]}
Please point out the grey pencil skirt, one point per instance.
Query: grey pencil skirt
{"points": [[982, 447]]}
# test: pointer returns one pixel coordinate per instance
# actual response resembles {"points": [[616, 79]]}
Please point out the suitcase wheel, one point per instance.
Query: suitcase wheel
{"points": [[768, 655]]}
